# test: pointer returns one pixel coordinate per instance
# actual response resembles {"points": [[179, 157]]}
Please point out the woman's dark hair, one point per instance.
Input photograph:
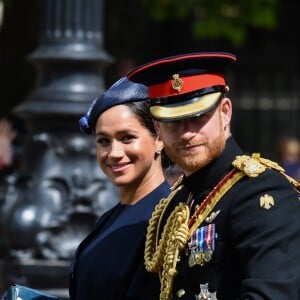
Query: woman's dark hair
{"points": [[141, 110]]}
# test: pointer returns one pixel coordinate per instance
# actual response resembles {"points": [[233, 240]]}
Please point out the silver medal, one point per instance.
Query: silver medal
{"points": [[205, 294]]}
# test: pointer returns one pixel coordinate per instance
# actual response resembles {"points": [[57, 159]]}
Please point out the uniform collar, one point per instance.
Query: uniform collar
{"points": [[205, 179]]}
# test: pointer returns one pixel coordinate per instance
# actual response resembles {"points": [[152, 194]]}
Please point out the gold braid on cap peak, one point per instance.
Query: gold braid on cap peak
{"points": [[162, 256]]}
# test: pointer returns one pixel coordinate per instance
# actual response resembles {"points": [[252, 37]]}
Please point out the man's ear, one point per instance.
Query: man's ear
{"points": [[226, 112]]}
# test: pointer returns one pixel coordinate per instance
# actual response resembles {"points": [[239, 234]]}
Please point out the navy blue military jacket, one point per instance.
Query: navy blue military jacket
{"points": [[256, 234]]}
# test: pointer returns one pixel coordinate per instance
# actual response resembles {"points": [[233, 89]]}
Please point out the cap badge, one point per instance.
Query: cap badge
{"points": [[177, 83]]}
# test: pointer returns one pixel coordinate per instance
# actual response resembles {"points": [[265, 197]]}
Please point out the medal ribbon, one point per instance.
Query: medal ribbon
{"points": [[203, 238]]}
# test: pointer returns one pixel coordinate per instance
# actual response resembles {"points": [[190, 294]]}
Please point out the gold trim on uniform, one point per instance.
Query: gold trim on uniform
{"points": [[163, 252], [248, 165], [177, 183], [255, 164], [214, 200]]}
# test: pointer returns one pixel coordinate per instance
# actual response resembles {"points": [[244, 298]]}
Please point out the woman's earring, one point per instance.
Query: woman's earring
{"points": [[158, 152]]}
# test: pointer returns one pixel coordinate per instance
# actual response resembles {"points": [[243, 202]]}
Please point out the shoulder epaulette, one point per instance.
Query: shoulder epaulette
{"points": [[254, 165], [250, 165]]}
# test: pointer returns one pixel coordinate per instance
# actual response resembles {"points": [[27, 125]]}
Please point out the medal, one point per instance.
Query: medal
{"points": [[207, 255], [202, 245], [205, 294], [199, 258], [192, 261]]}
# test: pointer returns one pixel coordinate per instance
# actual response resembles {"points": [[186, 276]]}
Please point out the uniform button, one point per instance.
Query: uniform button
{"points": [[180, 293]]}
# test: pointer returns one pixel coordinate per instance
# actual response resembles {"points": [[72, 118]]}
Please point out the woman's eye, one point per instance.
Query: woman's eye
{"points": [[103, 141], [128, 138]]}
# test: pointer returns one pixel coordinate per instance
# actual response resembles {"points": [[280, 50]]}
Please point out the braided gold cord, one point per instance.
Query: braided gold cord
{"points": [[176, 233], [153, 249], [162, 256], [292, 181], [268, 163], [152, 256]]}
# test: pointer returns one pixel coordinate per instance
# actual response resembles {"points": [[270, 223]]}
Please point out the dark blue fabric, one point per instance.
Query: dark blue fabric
{"points": [[122, 91], [109, 264]]}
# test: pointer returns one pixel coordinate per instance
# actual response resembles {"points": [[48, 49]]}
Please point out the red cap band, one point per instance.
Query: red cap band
{"points": [[178, 86]]}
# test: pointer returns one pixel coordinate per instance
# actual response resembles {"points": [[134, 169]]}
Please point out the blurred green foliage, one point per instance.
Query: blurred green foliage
{"points": [[217, 18], [6, 2]]}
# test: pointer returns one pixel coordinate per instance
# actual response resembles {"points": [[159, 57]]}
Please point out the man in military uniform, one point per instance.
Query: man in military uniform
{"points": [[230, 229]]}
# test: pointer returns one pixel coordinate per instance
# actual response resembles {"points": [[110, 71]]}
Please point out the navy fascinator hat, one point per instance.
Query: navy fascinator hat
{"points": [[122, 91]]}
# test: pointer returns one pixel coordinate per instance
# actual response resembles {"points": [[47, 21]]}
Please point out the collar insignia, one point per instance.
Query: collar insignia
{"points": [[212, 216]]}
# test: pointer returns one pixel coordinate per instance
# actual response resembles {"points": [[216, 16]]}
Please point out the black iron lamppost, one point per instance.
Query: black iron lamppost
{"points": [[48, 206]]}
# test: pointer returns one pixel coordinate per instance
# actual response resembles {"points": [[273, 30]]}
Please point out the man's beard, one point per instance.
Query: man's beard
{"points": [[193, 161]]}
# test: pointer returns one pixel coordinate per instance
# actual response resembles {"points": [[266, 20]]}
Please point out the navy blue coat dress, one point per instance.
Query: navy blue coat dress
{"points": [[109, 263]]}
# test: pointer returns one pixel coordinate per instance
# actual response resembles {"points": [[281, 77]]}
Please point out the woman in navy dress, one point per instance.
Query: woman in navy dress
{"points": [[109, 263]]}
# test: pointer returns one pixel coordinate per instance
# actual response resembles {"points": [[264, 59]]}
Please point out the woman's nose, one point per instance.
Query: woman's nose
{"points": [[116, 149]]}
